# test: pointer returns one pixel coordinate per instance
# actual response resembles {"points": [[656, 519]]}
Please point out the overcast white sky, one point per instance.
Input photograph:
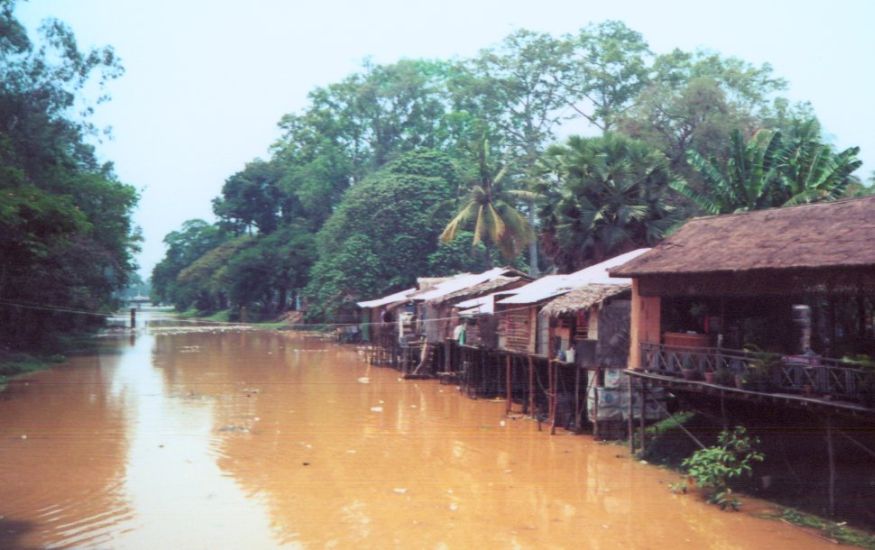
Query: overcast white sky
{"points": [[207, 81]]}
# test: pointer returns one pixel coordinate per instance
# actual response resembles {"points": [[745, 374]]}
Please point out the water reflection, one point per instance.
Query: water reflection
{"points": [[230, 439]]}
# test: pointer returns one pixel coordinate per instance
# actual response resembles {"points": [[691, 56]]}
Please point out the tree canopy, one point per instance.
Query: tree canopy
{"points": [[367, 176], [66, 236]]}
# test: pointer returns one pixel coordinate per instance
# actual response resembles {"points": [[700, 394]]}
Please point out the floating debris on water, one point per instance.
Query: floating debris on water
{"points": [[235, 428], [377, 409], [399, 490], [364, 380]]}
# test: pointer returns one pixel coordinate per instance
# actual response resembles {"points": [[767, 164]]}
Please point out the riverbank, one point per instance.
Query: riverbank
{"points": [[15, 364], [791, 457], [288, 321]]}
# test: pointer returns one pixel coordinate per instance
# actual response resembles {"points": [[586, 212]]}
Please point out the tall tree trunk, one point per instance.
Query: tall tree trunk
{"points": [[533, 244]]}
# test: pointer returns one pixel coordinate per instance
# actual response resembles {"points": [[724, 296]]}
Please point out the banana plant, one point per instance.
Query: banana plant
{"points": [[749, 180]]}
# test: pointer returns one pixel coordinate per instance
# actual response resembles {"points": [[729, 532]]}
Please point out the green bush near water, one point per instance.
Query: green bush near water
{"points": [[714, 467]]}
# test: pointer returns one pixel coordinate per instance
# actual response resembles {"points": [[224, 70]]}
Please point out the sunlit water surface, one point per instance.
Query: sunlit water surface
{"points": [[208, 438]]}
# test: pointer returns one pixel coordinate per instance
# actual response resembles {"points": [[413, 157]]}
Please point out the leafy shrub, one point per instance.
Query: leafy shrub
{"points": [[713, 467]]}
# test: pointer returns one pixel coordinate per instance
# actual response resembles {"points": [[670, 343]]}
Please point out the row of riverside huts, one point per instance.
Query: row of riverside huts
{"points": [[776, 303], [535, 342]]}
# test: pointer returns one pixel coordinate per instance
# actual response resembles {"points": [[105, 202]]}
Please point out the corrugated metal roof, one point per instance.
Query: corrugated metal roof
{"points": [[458, 282], [477, 306], [482, 288], [385, 300], [552, 286]]}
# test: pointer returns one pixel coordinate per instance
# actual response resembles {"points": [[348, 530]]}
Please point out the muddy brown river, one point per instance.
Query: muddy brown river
{"points": [[224, 438]]}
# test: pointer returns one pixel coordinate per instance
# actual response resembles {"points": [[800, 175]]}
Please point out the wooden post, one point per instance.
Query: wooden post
{"points": [[133, 317], [448, 355], [644, 324], [595, 390], [576, 396], [642, 410], [507, 380], [551, 373], [832, 467], [631, 419], [531, 386]]}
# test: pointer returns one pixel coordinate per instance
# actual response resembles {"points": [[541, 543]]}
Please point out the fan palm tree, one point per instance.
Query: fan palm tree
{"points": [[491, 207], [611, 198]]}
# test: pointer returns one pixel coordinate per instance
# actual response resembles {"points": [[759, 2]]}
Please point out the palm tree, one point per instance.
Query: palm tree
{"points": [[610, 195], [490, 205]]}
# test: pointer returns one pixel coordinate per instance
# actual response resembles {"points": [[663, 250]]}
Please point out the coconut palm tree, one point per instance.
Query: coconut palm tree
{"points": [[490, 205]]}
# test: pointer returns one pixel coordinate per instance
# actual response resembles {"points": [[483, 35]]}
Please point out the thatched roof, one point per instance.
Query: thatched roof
{"points": [[821, 235], [485, 287], [583, 298]]}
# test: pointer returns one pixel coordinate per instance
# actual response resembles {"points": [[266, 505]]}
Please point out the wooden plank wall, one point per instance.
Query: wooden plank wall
{"points": [[516, 329]]}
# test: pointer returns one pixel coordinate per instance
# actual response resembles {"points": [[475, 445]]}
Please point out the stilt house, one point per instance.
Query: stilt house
{"points": [[781, 299]]}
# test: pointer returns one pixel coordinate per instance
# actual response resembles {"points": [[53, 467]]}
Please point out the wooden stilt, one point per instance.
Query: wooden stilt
{"points": [[549, 391], [576, 396], [551, 373], [631, 419], [595, 397], [531, 387], [832, 467], [643, 396], [509, 387]]}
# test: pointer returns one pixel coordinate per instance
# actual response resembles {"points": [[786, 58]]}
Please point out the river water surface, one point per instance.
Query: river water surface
{"points": [[226, 438]]}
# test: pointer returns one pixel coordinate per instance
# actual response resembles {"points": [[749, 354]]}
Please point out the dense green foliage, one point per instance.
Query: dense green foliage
{"points": [[66, 238], [608, 197], [765, 172], [364, 180], [381, 235]]}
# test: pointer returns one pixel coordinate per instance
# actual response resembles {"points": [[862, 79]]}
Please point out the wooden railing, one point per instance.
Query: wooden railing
{"points": [[767, 373]]}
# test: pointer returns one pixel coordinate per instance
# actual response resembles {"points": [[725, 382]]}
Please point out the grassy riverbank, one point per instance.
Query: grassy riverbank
{"points": [[14, 364], [224, 316]]}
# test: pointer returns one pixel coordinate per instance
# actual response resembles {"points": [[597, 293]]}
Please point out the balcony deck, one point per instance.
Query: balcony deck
{"points": [[808, 383]]}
